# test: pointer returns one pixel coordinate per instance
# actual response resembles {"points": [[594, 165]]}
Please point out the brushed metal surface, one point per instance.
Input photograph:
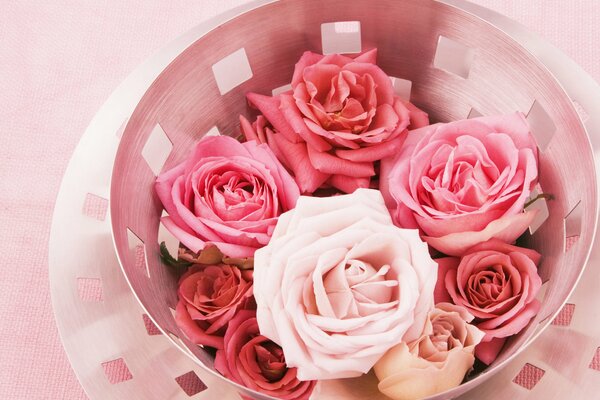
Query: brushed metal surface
{"points": [[88, 329]]}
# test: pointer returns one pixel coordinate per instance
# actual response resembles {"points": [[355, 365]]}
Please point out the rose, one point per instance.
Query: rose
{"points": [[256, 362], [437, 361], [339, 118], [339, 284], [209, 296], [226, 193], [464, 182], [261, 131], [497, 283]]}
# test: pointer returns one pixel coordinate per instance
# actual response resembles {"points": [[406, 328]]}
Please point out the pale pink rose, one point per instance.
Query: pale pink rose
{"points": [[497, 283], [434, 363], [209, 296], [464, 182], [226, 193], [339, 118], [257, 363], [339, 284]]}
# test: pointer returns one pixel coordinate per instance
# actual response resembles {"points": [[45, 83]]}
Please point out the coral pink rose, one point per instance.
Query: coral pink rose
{"points": [[226, 193], [339, 284], [339, 118], [464, 182], [498, 284], [256, 362], [436, 362], [209, 296]]}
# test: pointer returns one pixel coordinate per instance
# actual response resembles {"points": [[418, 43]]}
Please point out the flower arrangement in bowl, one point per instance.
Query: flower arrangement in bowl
{"points": [[338, 235], [338, 285]]}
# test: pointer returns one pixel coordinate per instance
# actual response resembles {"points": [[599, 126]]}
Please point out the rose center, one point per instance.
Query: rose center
{"points": [[236, 195], [367, 283], [460, 179], [270, 360], [354, 288], [236, 191], [215, 290], [488, 286], [443, 335], [343, 102]]}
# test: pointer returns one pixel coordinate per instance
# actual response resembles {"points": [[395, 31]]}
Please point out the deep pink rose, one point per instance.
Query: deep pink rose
{"points": [[226, 193], [464, 182], [339, 118], [209, 297], [256, 362], [497, 283]]}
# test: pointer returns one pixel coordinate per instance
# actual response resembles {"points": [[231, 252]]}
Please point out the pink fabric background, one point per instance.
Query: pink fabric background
{"points": [[59, 61]]}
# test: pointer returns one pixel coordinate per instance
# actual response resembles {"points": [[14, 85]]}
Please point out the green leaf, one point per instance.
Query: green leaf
{"points": [[169, 260]]}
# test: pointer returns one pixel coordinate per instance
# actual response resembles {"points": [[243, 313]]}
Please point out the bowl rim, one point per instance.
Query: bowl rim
{"points": [[178, 46]]}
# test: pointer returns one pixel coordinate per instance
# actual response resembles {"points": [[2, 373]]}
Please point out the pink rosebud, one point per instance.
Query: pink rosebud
{"points": [[256, 362], [339, 118], [464, 182], [209, 297], [497, 283], [226, 193]]}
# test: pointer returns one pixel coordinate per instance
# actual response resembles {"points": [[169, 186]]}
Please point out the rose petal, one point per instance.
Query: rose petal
{"points": [[369, 56], [284, 186], [472, 222], [445, 264], [307, 176], [308, 58], [488, 351], [247, 129], [515, 324], [348, 184], [328, 164], [371, 153], [190, 328], [501, 246], [418, 117], [296, 122], [506, 229], [270, 108], [384, 88]]}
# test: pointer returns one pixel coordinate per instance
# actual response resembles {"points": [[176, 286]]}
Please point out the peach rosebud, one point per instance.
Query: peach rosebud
{"points": [[436, 362]]}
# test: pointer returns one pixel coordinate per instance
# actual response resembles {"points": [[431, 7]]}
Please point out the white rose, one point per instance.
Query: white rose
{"points": [[339, 285]]}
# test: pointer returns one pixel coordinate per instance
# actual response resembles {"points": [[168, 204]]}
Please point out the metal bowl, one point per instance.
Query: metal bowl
{"points": [[447, 61]]}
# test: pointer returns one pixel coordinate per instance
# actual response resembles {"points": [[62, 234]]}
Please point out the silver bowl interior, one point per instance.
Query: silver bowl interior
{"points": [[448, 62]]}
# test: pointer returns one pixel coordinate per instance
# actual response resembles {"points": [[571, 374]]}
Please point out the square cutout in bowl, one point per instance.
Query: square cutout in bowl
{"points": [[157, 149], [542, 126], [341, 37], [232, 71], [402, 87], [454, 57]]}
